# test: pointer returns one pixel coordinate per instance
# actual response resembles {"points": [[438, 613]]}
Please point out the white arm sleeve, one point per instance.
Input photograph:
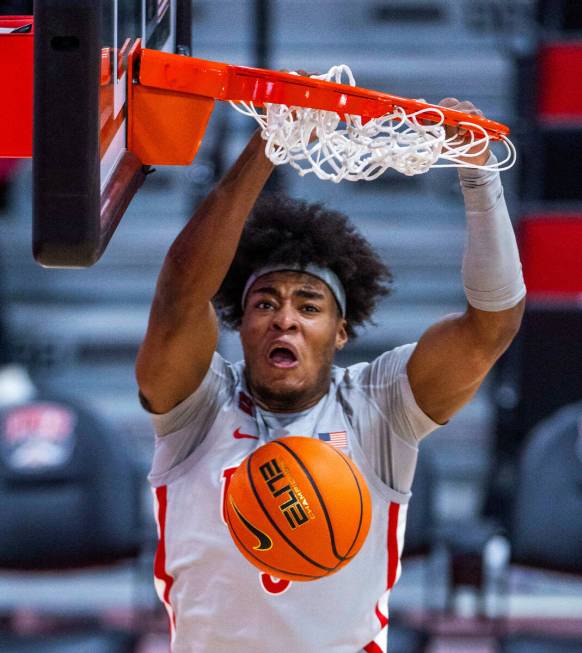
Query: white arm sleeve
{"points": [[492, 273], [387, 420]]}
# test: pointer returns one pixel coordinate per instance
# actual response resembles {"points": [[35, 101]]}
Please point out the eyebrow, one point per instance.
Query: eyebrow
{"points": [[306, 294], [309, 294]]}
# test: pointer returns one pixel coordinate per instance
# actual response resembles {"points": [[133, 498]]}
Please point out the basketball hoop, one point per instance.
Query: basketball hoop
{"points": [[410, 138], [316, 124]]}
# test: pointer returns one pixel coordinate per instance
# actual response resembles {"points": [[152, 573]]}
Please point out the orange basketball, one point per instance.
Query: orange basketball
{"points": [[298, 509]]}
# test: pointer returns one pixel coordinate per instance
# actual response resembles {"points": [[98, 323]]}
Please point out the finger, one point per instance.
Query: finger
{"points": [[301, 73], [449, 102], [467, 107], [304, 73]]}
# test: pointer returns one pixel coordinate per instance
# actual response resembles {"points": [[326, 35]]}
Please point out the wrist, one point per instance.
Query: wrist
{"points": [[481, 189], [256, 146], [477, 176]]}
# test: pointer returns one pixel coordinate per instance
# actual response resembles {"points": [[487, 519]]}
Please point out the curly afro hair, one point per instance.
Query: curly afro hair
{"points": [[285, 230]]}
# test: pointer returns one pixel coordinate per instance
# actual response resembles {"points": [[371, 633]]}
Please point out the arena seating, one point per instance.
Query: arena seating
{"points": [[78, 331], [70, 498], [389, 46], [546, 525]]}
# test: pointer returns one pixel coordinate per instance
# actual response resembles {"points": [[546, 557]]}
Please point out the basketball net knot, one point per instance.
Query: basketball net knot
{"points": [[338, 148]]}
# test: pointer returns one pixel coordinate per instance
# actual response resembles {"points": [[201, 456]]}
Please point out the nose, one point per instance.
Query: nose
{"points": [[285, 319]]}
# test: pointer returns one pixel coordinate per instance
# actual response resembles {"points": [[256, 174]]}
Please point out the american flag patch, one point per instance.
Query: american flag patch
{"points": [[335, 438]]}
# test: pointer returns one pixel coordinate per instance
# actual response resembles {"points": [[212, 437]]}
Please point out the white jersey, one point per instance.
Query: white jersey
{"points": [[217, 602]]}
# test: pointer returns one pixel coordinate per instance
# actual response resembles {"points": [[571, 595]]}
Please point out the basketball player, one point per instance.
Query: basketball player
{"points": [[295, 280]]}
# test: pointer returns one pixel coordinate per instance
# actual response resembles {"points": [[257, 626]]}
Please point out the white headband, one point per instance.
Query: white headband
{"points": [[326, 275]]}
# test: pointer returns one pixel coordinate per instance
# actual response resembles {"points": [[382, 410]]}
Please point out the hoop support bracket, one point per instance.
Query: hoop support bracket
{"points": [[165, 125]]}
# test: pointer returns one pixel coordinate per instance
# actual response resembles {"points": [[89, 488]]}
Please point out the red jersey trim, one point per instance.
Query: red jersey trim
{"points": [[393, 561], [160, 571], [382, 618], [393, 557]]}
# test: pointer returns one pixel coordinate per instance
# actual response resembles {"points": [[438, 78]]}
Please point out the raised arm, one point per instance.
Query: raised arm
{"points": [[453, 356], [182, 331]]}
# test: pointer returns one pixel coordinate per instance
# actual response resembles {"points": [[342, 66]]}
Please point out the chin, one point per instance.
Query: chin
{"points": [[288, 391], [279, 394], [279, 390]]}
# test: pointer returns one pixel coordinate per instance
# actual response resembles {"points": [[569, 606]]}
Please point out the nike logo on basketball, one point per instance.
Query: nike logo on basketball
{"points": [[239, 436], [265, 542]]}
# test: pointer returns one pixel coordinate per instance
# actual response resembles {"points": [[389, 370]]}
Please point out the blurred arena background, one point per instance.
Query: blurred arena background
{"points": [[495, 537]]}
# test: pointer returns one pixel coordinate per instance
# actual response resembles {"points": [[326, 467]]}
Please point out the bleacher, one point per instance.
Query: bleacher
{"points": [[78, 331]]}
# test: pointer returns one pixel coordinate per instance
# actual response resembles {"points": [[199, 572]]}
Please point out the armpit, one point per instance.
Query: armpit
{"points": [[143, 400]]}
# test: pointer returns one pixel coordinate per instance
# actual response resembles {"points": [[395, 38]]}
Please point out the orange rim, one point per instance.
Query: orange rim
{"points": [[223, 81]]}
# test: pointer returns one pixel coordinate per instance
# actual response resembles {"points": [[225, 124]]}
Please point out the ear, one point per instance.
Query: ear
{"points": [[341, 337]]}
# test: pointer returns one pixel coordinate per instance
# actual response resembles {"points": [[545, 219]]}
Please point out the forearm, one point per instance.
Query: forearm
{"points": [[492, 272], [199, 258], [453, 357]]}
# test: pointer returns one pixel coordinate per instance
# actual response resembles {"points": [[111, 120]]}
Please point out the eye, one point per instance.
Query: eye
{"points": [[264, 305], [310, 308]]}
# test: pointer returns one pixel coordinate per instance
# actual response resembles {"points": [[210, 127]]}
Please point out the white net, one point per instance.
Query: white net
{"points": [[312, 140]]}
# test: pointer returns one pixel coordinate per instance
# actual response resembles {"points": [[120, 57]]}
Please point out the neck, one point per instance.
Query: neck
{"points": [[286, 402], [284, 405]]}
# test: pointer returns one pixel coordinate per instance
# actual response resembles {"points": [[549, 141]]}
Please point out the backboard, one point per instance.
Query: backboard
{"points": [[84, 176]]}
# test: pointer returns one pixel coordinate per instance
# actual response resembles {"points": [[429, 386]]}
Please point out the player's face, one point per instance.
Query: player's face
{"points": [[290, 331]]}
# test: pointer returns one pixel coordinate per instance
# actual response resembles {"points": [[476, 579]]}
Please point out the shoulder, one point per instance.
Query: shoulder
{"points": [[383, 370], [224, 371], [217, 386], [380, 396]]}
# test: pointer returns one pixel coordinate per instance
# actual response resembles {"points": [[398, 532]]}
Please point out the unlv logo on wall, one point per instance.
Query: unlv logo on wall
{"points": [[270, 584], [37, 436]]}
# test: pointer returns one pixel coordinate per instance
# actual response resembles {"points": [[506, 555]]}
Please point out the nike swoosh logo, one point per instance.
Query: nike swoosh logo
{"points": [[239, 436], [265, 542]]}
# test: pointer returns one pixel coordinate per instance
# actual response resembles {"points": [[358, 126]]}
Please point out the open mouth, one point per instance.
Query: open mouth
{"points": [[283, 357]]}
